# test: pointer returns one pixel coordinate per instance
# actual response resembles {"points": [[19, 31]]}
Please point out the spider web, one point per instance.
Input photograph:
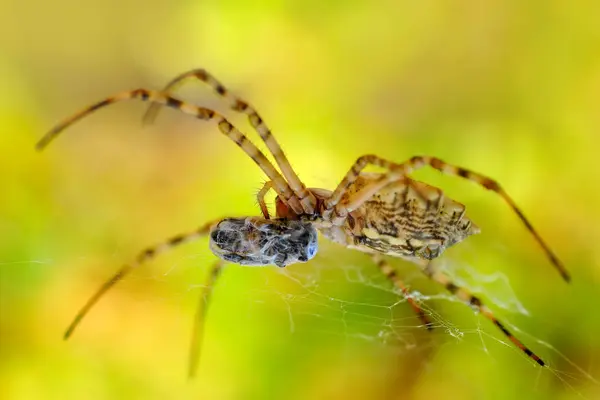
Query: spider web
{"points": [[342, 295]]}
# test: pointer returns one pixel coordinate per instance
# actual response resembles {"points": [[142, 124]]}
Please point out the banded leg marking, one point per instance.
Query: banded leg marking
{"points": [[202, 113], [475, 303], [390, 273], [144, 256], [306, 198]]}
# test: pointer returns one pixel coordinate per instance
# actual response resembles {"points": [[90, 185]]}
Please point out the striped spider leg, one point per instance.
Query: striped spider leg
{"points": [[389, 272], [306, 197], [475, 302], [144, 256], [280, 185]]}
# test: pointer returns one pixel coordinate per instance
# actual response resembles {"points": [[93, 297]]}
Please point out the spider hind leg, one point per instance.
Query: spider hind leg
{"points": [[476, 304], [391, 274]]}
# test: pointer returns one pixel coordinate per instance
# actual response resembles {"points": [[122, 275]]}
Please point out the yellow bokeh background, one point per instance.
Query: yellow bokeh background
{"points": [[509, 89]]}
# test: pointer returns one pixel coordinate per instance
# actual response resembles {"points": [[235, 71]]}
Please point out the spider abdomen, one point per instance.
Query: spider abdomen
{"points": [[408, 219]]}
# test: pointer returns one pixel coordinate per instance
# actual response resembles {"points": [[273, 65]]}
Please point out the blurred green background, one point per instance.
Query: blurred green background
{"points": [[510, 89]]}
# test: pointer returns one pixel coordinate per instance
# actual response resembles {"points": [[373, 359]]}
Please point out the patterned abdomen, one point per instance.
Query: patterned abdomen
{"points": [[408, 219]]}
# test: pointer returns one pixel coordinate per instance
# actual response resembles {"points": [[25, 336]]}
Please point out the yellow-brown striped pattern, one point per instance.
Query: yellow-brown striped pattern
{"points": [[306, 198], [202, 113], [476, 303], [390, 273], [398, 171], [144, 256]]}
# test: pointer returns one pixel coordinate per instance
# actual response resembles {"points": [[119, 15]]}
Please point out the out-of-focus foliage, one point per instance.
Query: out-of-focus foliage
{"points": [[510, 89]]}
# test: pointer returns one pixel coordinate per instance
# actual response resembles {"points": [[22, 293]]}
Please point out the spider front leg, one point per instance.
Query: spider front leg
{"points": [[144, 256], [476, 304], [226, 128], [390, 273], [306, 198], [333, 204]]}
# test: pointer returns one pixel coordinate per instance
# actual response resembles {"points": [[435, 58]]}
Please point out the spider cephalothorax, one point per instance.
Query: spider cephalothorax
{"points": [[381, 214], [258, 242]]}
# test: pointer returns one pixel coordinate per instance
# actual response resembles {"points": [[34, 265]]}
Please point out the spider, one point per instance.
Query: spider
{"points": [[382, 214]]}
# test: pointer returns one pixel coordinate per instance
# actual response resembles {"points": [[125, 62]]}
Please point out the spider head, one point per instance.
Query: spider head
{"points": [[256, 242]]}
